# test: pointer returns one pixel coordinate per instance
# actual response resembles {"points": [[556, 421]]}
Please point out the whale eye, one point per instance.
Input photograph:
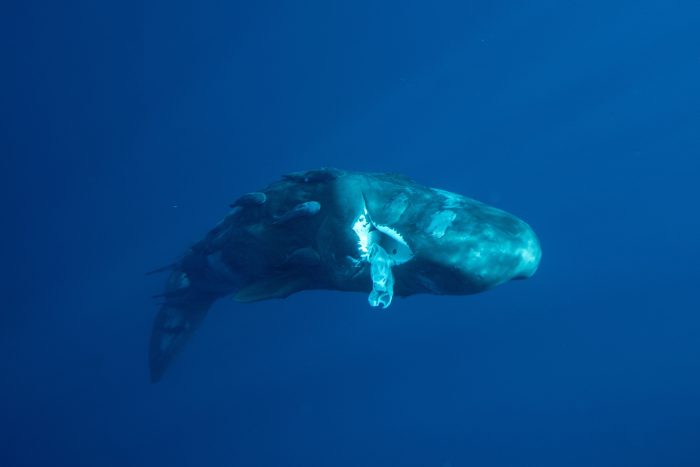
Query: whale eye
{"points": [[393, 252]]}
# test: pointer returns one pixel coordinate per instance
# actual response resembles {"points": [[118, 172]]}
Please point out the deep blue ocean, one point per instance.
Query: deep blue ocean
{"points": [[129, 127]]}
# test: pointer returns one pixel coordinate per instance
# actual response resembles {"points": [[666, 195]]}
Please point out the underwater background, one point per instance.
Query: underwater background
{"points": [[128, 128]]}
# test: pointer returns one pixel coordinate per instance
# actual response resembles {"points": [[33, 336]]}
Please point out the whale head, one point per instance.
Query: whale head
{"points": [[434, 241]]}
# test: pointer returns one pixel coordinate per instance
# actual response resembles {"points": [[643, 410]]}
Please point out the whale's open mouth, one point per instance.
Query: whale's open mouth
{"points": [[382, 247]]}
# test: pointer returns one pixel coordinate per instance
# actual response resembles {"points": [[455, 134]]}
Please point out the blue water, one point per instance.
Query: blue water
{"points": [[128, 128]]}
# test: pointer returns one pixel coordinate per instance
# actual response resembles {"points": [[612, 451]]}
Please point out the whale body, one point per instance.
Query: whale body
{"points": [[381, 234]]}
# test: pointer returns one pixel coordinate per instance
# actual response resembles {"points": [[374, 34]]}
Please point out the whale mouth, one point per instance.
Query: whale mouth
{"points": [[383, 248]]}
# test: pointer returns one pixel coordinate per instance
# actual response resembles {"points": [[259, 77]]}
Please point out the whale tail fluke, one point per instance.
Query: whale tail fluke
{"points": [[177, 319]]}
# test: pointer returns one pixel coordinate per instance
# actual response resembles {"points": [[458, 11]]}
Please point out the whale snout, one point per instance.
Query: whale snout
{"points": [[500, 252], [527, 255]]}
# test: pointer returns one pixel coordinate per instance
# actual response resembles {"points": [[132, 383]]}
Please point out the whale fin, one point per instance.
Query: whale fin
{"points": [[172, 328], [271, 287], [179, 316]]}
